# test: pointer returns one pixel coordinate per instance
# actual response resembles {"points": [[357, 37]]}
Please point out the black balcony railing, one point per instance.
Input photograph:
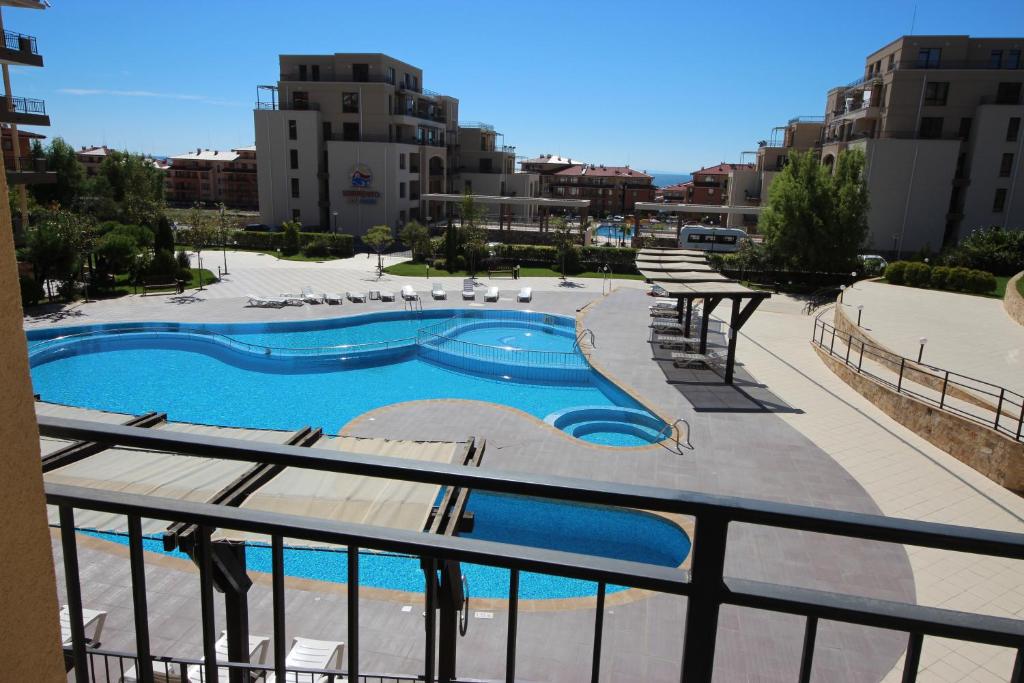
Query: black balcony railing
{"points": [[705, 584], [1002, 65], [20, 42], [25, 105], [28, 165], [973, 399]]}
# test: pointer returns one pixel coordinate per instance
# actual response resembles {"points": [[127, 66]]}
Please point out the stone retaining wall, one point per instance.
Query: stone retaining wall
{"points": [[1013, 302], [999, 458]]}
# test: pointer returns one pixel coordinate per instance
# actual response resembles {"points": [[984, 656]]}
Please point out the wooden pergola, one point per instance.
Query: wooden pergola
{"points": [[543, 205], [744, 302]]}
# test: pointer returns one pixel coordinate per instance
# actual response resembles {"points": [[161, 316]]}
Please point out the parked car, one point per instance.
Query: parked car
{"points": [[258, 227]]}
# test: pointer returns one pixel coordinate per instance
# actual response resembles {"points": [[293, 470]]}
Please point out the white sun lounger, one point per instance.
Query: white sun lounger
{"points": [[387, 296], [491, 294], [437, 291], [468, 291], [267, 301], [92, 623], [355, 297], [311, 297], [257, 655], [334, 298], [525, 295], [691, 360], [307, 653], [409, 294], [293, 299]]}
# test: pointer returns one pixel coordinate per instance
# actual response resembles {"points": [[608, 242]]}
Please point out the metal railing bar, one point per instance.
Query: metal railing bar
{"points": [[277, 582], [206, 603], [139, 604], [513, 626], [69, 551], [912, 661], [807, 654], [353, 611], [586, 567], [874, 612], [595, 663], [805, 518]]}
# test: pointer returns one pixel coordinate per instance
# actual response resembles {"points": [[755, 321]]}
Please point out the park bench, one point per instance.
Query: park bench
{"points": [[153, 284]]}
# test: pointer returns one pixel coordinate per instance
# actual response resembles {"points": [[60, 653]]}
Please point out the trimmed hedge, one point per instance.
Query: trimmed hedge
{"points": [[916, 274], [337, 244]]}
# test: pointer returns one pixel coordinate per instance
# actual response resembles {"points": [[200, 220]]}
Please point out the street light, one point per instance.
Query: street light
{"points": [[842, 289], [920, 352], [223, 239], [860, 310], [334, 221]]}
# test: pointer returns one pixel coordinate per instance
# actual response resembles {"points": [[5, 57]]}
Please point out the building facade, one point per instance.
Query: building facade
{"points": [[545, 167], [481, 166], [211, 177], [610, 189], [939, 120], [349, 141]]}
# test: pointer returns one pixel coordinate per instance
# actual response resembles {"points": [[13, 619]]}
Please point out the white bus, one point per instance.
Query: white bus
{"points": [[711, 238]]}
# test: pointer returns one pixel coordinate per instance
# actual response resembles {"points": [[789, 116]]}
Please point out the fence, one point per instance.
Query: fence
{"points": [[705, 584], [982, 402]]}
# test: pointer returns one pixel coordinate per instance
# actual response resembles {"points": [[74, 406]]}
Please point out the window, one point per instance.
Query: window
{"points": [[1012, 129], [300, 100], [327, 130], [350, 132], [401, 217], [293, 158], [892, 62], [316, 72], [928, 57], [401, 161], [360, 73], [1006, 165], [391, 75], [995, 60], [295, 188], [295, 214], [999, 202], [965, 128], [1012, 60], [931, 127], [936, 93], [1008, 93], [350, 102], [302, 72], [401, 190], [293, 130]]}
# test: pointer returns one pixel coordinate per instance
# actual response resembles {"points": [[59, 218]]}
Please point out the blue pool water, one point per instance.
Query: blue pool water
{"points": [[209, 383], [613, 231], [592, 530]]}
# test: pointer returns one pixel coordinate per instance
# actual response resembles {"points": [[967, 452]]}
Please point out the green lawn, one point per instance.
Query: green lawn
{"points": [[122, 286], [207, 253], [411, 269], [1020, 286], [996, 293]]}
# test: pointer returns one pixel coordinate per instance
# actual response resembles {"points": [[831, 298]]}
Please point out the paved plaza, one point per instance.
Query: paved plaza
{"points": [[813, 441]]}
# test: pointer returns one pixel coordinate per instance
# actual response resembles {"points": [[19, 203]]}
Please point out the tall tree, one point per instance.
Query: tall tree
{"points": [[564, 242], [416, 236], [56, 246], [202, 234], [379, 238], [850, 215], [70, 175], [127, 188], [164, 235]]}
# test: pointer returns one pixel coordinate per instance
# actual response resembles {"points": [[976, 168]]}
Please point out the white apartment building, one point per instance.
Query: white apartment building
{"points": [[481, 166]]}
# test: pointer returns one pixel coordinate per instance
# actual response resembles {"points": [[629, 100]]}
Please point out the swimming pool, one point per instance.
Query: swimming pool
{"points": [[287, 375], [587, 529], [614, 231]]}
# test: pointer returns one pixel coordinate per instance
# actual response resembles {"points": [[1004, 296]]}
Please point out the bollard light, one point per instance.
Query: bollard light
{"points": [[860, 310], [842, 289], [920, 352]]}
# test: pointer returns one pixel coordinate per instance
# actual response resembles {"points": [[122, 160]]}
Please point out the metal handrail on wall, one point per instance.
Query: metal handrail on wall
{"points": [[985, 403], [705, 584]]}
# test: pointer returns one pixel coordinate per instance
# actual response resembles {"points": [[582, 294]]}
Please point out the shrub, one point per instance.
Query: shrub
{"points": [[318, 248], [957, 280], [439, 264], [993, 249], [183, 261], [980, 282], [918, 274], [460, 263], [940, 277], [164, 266], [291, 244], [31, 290], [896, 272]]}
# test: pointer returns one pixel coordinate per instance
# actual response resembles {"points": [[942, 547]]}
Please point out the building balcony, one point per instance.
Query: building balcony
{"points": [[437, 117], [20, 49], [31, 171], [24, 111]]}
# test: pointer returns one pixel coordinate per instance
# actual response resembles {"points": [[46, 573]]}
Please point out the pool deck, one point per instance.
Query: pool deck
{"points": [[814, 442]]}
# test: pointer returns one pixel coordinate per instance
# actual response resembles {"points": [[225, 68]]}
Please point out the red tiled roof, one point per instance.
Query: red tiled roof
{"points": [[606, 171], [678, 186], [721, 169]]}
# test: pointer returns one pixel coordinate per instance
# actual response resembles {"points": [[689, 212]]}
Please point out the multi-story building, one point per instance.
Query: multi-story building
{"points": [[610, 189], [92, 158], [348, 141], [800, 134], [21, 50], [680, 193], [481, 166], [939, 120], [212, 176], [21, 166], [709, 186], [546, 166]]}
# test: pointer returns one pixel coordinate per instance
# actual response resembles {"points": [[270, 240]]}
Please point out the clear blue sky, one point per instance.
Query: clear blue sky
{"points": [[666, 86]]}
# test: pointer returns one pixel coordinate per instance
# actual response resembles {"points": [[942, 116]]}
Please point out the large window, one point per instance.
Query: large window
{"points": [[316, 72], [293, 130], [931, 127], [999, 202], [401, 190], [1008, 93], [350, 102], [350, 132], [401, 161], [995, 60], [302, 72], [1006, 165], [295, 188], [300, 100], [965, 128], [928, 57], [936, 93], [293, 158], [391, 75], [1012, 60], [1013, 129]]}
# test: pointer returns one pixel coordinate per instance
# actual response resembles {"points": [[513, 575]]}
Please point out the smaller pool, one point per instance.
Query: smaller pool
{"points": [[614, 231], [516, 335], [609, 425]]}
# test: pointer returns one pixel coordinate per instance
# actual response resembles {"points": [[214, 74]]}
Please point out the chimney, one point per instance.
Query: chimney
{"points": [[199, 150]]}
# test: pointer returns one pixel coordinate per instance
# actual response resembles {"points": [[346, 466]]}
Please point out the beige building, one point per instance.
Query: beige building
{"points": [[210, 176], [348, 141], [800, 134], [546, 166], [481, 166], [939, 119]]}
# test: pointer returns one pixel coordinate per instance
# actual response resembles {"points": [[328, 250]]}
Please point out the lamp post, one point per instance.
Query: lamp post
{"points": [[842, 289], [920, 351], [860, 310], [223, 240], [334, 221]]}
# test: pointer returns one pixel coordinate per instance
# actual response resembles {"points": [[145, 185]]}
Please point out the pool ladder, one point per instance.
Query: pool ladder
{"points": [[674, 431], [585, 333], [415, 305]]}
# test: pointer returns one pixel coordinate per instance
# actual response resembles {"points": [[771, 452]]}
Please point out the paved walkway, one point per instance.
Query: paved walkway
{"points": [[971, 335]]}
